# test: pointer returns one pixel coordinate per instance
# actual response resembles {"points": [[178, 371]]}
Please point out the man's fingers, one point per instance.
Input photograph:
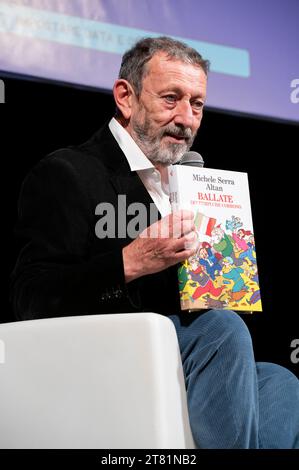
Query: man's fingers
{"points": [[182, 255], [147, 256], [181, 223], [171, 226], [183, 214], [185, 227], [187, 242], [191, 240]]}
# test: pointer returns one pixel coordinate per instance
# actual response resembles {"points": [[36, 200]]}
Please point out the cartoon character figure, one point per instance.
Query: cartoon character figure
{"points": [[215, 303], [224, 244], [239, 239], [239, 289], [233, 224], [198, 274], [250, 250], [209, 261], [255, 297]]}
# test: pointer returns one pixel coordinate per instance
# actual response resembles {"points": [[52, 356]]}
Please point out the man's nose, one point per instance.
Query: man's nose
{"points": [[184, 114]]}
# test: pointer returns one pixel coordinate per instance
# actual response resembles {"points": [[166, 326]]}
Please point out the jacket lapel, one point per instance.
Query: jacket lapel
{"points": [[124, 181]]}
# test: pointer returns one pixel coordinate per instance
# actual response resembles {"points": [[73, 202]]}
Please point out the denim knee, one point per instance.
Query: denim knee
{"points": [[230, 326], [215, 329], [226, 323], [277, 374]]}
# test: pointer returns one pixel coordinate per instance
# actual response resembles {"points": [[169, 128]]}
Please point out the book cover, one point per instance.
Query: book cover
{"points": [[223, 272]]}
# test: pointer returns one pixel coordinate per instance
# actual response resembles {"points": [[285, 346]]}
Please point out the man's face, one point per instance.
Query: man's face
{"points": [[165, 119]]}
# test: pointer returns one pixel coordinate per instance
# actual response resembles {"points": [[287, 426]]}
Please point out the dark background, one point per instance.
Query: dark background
{"points": [[40, 117]]}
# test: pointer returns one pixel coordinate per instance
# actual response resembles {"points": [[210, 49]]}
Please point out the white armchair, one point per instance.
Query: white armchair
{"points": [[97, 381]]}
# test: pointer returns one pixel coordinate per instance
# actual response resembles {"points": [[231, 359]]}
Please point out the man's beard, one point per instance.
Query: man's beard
{"points": [[157, 150]]}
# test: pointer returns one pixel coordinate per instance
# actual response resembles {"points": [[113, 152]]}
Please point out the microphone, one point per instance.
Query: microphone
{"points": [[192, 159]]}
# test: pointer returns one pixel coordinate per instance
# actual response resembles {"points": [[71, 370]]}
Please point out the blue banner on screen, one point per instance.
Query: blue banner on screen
{"points": [[252, 46]]}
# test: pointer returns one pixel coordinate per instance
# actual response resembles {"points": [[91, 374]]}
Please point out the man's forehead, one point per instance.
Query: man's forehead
{"points": [[166, 71], [162, 61]]}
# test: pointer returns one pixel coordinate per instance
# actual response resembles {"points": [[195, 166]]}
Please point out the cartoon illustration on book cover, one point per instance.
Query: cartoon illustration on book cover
{"points": [[223, 272]]}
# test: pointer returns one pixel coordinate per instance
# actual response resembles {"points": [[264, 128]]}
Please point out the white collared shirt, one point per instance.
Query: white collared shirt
{"points": [[149, 175]]}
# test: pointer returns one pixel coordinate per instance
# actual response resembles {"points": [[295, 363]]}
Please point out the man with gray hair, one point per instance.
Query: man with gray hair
{"points": [[68, 268]]}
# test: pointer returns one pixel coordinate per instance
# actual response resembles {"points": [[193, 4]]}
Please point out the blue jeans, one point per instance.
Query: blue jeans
{"points": [[234, 402]]}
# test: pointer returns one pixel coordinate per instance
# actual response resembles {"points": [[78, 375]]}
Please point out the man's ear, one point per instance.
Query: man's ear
{"points": [[123, 95]]}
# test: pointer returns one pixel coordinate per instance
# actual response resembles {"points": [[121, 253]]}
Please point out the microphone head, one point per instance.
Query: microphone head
{"points": [[192, 159]]}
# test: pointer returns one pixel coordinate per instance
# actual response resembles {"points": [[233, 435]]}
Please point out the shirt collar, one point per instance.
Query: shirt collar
{"points": [[134, 155]]}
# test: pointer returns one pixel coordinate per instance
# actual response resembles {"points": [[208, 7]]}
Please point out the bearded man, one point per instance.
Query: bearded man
{"points": [[67, 267]]}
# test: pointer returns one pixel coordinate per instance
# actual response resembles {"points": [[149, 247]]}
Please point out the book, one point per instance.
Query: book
{"points": [[223, 272]]}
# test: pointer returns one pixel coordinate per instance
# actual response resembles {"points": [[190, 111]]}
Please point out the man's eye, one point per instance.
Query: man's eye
{"points": [[170, 98], [197, 104]]}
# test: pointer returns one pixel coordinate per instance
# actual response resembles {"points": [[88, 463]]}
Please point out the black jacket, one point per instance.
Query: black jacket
{"points": [[64, 268]]}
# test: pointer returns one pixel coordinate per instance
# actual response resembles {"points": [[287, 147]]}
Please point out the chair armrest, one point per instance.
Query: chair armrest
{"points": [[98, 381]]}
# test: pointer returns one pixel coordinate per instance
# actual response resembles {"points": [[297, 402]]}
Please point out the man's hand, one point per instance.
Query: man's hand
{"points": [[161, 245]]}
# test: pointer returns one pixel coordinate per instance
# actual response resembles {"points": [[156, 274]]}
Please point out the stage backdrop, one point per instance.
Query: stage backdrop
{"points": [[252, 45]]}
